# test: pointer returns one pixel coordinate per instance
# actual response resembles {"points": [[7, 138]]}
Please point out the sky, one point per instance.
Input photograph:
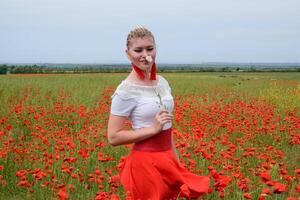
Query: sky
{"points": [[186, 31]]}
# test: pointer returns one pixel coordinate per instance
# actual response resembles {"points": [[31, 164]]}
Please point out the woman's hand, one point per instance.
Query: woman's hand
{"points": [[162, 117]]}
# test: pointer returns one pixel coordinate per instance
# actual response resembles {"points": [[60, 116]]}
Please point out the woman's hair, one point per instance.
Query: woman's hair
{"points": [[138, 32]]}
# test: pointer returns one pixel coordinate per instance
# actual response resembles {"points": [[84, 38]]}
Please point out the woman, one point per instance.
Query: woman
{"points": [[152, 169]]}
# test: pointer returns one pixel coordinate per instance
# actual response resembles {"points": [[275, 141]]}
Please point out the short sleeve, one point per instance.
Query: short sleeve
{"points": [[166, 84], [169, 88], [122, 105]]}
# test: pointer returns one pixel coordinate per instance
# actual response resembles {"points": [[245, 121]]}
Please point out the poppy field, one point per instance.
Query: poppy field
{"points": [[240, 129]]}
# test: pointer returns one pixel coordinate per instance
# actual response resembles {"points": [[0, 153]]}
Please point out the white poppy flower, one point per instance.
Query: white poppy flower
{"points": [[149, 59]]}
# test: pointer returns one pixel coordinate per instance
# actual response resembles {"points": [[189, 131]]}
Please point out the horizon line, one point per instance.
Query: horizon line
{"points": [[160, 63]]}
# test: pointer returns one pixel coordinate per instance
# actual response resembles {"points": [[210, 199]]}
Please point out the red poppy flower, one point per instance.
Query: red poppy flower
{"points": [[247, 196], [279, 188], [62, 194], [265, 176]]}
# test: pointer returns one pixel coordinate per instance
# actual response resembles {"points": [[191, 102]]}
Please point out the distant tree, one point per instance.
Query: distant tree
{"points": [[3, 69], [210, 69]]}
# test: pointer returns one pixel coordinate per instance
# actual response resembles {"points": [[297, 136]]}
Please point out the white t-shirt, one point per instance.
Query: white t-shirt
{"points": [[141, 103]]}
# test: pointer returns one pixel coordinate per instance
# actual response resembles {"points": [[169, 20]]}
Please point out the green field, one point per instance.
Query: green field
{"points": [[236, 127]]}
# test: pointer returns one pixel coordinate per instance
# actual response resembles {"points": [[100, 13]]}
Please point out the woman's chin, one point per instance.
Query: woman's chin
{"points": [[145, 67]]}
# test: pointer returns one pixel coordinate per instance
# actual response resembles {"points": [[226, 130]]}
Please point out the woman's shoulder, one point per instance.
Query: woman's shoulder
{"points": [[160, 78], [163, 81], [125, 91]]}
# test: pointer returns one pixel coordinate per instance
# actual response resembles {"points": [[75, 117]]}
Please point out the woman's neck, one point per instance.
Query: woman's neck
{"points": [[147, 75], [134, 77], [142, 73]]}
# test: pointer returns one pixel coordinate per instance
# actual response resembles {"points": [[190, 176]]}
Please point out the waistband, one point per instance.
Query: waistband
{"points": [[162, 141]]}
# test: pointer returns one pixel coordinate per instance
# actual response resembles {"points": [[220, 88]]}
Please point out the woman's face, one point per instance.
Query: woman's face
{"points": [[139, 49]]}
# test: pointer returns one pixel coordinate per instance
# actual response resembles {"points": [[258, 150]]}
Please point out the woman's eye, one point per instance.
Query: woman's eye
{"points": [[140, 50]]}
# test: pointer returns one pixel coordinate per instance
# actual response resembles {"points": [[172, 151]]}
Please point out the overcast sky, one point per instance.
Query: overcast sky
{"points": [[186, 31]]}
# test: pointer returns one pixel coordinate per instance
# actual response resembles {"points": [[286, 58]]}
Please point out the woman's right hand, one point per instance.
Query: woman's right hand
{"points": [[161, 118]]}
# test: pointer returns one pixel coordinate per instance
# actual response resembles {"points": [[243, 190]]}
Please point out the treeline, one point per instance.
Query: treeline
{"points": [[70, 68]]}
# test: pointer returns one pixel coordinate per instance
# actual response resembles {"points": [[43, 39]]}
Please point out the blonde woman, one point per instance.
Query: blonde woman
{"points": [[152, 169]]}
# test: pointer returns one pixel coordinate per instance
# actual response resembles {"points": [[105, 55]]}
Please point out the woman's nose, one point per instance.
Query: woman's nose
{"points": [[144, 53]]}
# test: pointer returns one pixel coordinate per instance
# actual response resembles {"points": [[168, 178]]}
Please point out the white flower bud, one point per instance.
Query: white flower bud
{"points": [[149, 59]]}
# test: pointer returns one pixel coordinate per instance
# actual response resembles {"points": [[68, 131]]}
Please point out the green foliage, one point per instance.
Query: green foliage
{"points": [[3, 69]]}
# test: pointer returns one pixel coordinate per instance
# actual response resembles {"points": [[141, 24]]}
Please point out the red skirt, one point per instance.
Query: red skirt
{"points": [[152, 171]]}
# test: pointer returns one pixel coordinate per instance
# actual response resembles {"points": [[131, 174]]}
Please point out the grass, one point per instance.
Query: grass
{"points": [[46, 120]]}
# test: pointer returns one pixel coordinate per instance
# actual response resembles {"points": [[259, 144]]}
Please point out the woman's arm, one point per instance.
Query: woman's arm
{"points": [[118, 136]]}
